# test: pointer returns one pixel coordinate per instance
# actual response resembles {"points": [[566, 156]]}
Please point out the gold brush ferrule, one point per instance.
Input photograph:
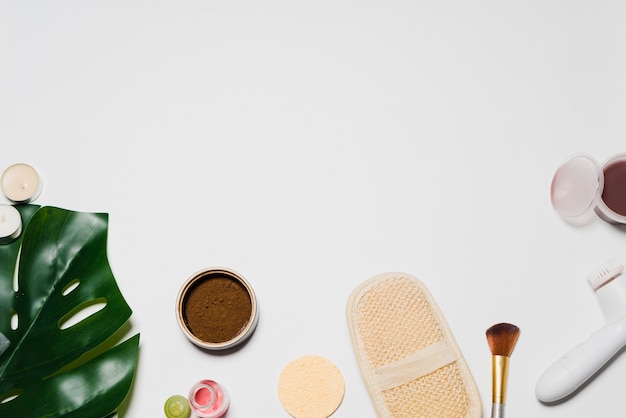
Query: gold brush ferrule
{"points": [[499, 376]]}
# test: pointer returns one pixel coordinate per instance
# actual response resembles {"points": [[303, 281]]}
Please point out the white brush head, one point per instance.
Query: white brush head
{"points": [[604, 273]]}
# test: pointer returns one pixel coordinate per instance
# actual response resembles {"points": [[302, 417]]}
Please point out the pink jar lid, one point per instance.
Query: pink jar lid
{"points": [[577, 186]]}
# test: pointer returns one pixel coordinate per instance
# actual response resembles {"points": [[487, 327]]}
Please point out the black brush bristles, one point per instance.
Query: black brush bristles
{"points": [[502, 338]]}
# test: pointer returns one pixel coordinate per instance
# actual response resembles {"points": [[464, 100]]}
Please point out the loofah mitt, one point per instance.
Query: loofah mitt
{"points": [[408, 357]]}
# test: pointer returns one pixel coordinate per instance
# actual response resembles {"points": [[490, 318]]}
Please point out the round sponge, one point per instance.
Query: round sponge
{"points": [[311, 387]]}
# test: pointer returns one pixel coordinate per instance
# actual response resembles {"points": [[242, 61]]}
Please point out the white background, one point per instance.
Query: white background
{"points": [[310, 145]]}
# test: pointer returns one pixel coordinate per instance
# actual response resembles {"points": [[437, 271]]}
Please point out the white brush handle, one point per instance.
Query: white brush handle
{"points": [[573, 369]]}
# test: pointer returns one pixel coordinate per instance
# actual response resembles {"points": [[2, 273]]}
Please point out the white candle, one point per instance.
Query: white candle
{"points": [[20, 183], [10, 224]]}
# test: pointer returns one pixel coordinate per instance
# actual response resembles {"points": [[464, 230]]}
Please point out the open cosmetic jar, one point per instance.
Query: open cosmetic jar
{"points": [[582, 185], [208, 399], [217, 309]]}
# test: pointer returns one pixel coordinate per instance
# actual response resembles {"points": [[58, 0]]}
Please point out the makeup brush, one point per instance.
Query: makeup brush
{"points": [[501, 339]]}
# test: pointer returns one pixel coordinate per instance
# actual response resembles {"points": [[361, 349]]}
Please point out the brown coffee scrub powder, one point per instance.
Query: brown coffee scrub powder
{"points": [[217, 309]]}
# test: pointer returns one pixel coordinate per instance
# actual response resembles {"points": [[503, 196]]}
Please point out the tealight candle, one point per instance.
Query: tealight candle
{"points": [[10, 224], [20, 183]]}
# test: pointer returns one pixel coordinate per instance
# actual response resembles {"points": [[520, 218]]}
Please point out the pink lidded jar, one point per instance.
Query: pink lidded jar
{"points": [[208, 399]]}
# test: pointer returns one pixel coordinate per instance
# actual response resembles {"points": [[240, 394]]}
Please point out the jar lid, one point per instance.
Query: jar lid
{"points": [[577, 186]]}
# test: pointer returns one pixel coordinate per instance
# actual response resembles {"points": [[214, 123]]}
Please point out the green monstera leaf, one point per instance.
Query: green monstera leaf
{"points": [[62, 322]]}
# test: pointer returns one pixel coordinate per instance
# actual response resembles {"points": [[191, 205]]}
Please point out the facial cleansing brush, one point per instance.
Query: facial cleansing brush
{"points": [[574, 368]]}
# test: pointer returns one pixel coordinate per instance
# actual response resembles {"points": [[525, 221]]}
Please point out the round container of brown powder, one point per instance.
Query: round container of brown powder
{"points": [[217, 309]]}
